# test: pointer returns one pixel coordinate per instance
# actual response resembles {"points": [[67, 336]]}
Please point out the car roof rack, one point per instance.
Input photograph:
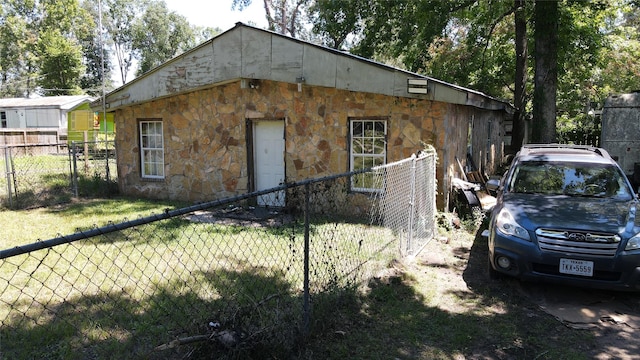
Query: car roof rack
{"points": [[526, 148]]}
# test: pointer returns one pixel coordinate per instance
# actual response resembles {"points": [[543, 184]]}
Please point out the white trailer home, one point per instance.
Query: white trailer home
{"points": [[36, 121]]}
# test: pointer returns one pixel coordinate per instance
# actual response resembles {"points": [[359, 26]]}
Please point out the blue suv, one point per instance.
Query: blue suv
{"points": [[566, 214]]}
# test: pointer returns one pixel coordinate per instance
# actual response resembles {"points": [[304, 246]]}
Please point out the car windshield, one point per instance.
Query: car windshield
{"points": [[567, 178]]}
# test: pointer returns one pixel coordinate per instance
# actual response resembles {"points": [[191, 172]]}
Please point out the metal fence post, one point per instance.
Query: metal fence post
{"points": [[74, 170], [106, 154], [306, 316], [412, 206], [7, 154]]}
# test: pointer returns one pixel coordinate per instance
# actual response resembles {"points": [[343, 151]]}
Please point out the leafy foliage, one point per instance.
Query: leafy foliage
{"points": [[59, 44], [159, 35], [39, 47], [61, 64], [283, 16], [57, 47], [17, 46], [471, 43]]}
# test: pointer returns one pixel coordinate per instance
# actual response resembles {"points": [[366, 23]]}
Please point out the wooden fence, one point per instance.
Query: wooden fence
{"points": [[54, 137]]}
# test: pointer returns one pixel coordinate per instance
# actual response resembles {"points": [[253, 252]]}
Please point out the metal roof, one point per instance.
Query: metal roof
{"points": [[247, 52], [60, 102]]}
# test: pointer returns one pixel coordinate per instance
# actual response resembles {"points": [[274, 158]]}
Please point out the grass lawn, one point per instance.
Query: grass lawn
{"points": [[121, 294], [22, 227]]}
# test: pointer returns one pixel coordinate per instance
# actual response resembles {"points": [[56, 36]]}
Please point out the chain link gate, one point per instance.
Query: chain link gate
{"points": [[45, 175]]}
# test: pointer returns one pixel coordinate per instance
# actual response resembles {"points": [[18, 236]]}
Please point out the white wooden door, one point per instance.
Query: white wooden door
{"points": [[269, 160]]}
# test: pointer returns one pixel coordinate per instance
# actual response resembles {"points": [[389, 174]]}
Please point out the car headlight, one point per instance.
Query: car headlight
{"points": [[633, 243], [507, 225]]}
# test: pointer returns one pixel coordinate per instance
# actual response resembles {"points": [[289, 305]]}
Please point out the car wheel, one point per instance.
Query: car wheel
{"points": [[493, 273]]}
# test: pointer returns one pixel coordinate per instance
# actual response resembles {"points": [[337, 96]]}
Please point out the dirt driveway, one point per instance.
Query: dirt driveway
{"points": [[613, 317]]}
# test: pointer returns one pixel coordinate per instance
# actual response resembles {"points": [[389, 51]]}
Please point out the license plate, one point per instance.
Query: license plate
{"points": [[576, 267]]}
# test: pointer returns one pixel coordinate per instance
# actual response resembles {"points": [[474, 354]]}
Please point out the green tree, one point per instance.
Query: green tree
{"points": [[145, 33], [120, 19], [202, 34], [335, 21], [582, 63], [159, 35], [62, 24], [31, 30], [60, 64], [18, 38], [283, 16], [473, 43], [520, 81], [462, 41], [96, 55], [621, 72]]}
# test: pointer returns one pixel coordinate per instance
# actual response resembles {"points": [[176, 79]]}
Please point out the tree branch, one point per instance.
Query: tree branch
{"points": [[509, 11]]}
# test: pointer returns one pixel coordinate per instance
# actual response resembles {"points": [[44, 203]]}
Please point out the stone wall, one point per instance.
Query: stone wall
{"points": [[206, 145]]}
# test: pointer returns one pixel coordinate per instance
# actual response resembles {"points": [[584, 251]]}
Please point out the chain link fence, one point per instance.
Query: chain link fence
{"points": [[227, 279], [45, 175]]}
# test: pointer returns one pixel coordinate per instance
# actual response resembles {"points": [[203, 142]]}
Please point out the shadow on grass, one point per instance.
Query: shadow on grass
{"points": [[483, 320], [263, 313], [530, 297], [284, 225], [258, 310], [116, 205]]}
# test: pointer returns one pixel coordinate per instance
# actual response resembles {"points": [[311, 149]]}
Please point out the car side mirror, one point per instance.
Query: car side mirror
{"points": [[493, 184]]}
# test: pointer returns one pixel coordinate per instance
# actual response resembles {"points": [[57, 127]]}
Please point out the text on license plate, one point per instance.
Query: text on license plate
{"points": [[576, 267]]}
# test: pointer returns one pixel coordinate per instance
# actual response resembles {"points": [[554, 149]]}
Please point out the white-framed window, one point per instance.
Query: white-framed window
{"points": [[152, 149], [3, 119], [368, 148]]}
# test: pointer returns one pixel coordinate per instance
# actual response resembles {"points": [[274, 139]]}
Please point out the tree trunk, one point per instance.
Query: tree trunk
{"points": [[517, 133], [546, 72]]}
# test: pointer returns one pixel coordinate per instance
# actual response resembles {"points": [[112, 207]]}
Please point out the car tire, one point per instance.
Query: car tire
{"points": [[493, 273]]}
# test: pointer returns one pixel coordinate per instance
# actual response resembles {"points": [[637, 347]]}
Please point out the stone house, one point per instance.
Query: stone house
{"points": [[250, 109]]}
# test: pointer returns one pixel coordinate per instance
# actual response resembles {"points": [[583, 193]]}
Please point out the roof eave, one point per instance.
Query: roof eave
{"points": [[439, 90]]}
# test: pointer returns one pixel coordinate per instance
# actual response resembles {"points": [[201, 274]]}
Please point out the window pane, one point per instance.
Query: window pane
{"points": [[379, 125], [368, 162], [357, 146], [377, 161], [358, 163], [357, 129], [379, 146], [152, 149], [368, 149]]}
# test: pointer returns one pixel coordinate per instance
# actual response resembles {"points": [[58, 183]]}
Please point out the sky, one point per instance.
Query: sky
{"points": [[218, 13]]}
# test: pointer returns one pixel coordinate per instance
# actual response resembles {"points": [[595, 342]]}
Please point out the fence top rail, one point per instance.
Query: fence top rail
{"points": [[32, 145], [421, 155], [167, 214]]}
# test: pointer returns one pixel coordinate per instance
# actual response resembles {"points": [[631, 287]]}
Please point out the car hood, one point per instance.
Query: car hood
{"points": [[608, 215]]}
